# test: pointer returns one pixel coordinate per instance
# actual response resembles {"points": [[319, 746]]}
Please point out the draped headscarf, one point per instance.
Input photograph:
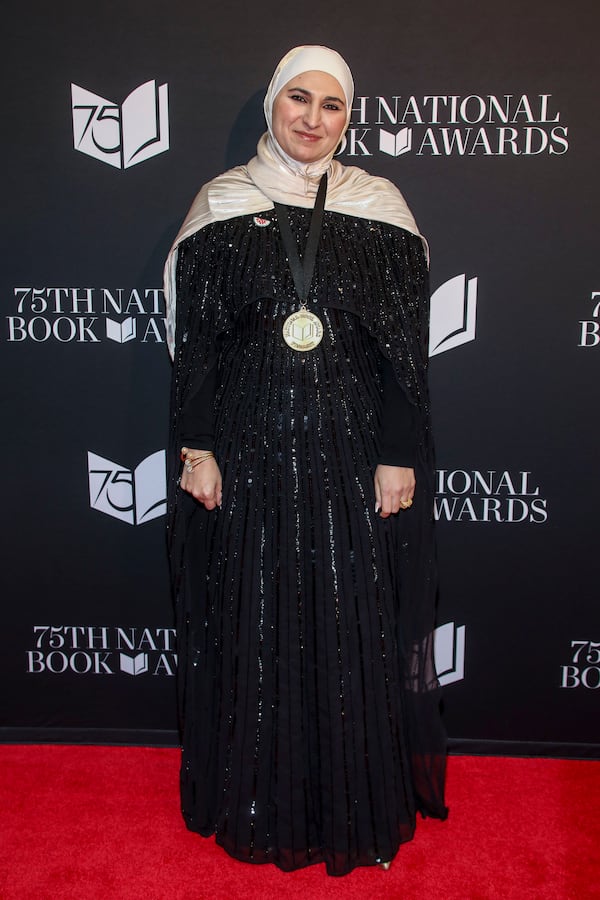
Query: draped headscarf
{"points": [[294, 63], [272, 176]]}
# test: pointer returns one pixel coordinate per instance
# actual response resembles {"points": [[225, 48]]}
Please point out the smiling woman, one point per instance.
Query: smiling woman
{"points": [[309, 116], [300, 525]]}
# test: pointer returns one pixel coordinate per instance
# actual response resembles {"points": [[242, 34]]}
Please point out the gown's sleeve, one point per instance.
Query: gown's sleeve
{"points": [[397, 423], [198, 417], [196, 404]]}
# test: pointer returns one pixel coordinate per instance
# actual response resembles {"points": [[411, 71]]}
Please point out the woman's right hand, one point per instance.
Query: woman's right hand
{"points": [[204, 483]]}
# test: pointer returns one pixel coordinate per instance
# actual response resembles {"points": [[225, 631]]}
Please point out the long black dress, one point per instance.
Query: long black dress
{"points": [[308, 699]]}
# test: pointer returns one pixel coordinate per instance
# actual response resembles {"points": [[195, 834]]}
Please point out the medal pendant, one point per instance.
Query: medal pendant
{"points": [[302, 330]]}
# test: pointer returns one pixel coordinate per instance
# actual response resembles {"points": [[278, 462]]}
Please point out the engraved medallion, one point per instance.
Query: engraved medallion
{"points": [[302, 330]]}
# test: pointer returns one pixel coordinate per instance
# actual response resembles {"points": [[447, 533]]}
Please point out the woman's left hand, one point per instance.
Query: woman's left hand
{"points": [[394, 489]]}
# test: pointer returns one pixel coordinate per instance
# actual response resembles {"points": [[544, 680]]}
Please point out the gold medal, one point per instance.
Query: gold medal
{"points": [[302, 330]]}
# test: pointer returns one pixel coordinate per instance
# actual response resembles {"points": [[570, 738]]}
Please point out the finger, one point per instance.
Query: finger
{"points": [[387, 505], [204, 493], [377, 496], [208, 496]]}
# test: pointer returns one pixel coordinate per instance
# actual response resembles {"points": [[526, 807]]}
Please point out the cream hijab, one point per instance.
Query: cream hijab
{"points": [[271, 160], [274, 177]]}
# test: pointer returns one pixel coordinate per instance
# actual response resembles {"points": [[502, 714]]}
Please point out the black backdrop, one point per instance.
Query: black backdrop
{"points": [[501, 173]]}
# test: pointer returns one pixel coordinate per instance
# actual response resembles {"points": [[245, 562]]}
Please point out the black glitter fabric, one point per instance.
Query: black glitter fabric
{"points": [[307, 694]]}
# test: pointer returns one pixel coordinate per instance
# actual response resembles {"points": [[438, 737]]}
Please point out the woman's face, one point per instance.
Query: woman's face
{"points": [[309, 116]]}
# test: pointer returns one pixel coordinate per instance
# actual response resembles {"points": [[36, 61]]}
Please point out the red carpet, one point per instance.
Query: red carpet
{"points": [[104, 823]]}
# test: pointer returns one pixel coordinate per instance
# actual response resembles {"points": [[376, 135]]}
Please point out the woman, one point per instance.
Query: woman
{"points": [[300, 536]]}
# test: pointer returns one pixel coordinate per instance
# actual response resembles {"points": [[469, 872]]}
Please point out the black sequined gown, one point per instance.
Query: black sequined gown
{"points": [[308, 702]]}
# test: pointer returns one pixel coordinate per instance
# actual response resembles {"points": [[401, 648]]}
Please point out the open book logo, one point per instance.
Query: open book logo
{"points": [[121, 332], [453, 314], [395, 144], [133, 665], [449, 652], [134, 496], [125, 135]]}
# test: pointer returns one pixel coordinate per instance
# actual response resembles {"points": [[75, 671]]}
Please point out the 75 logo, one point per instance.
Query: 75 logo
{"points": [[131, 495], [125, 135]]}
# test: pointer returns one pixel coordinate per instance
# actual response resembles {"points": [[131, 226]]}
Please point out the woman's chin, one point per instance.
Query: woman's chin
{"points": [[307, 152]]}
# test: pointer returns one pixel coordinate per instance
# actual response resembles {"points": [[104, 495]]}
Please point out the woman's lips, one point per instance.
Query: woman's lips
{"points": [[306, 136]]}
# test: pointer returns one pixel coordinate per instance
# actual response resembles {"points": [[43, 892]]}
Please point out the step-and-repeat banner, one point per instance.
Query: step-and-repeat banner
{"points": [[487, 121]]}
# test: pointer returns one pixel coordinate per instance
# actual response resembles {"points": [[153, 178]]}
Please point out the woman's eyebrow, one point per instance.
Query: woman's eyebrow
{"points": [[299, 90]]}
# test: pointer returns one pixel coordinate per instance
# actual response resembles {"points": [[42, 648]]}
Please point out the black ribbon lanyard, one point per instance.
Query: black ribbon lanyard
{"points": [[302, 271]]}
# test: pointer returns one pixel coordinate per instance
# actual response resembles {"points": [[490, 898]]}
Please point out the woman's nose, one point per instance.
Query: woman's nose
{"points": [[312, 115]]}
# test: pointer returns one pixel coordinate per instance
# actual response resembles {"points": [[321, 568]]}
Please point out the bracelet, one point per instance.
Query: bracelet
{"points": [[185, 451], [190, 462]]}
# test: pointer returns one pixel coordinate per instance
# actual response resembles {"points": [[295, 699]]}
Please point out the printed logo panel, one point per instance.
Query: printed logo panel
{"points": [[86, 315], [455, 125], [101, 650], [583, 669], [133, 665], [121, 136], [449, 652], [490, 496], [589, 329], [133, 496], [453, 313], [395, 144]]}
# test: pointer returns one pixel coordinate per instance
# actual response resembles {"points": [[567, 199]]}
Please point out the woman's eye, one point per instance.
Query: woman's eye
{"points": [[298, 97], [333, 106]]}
